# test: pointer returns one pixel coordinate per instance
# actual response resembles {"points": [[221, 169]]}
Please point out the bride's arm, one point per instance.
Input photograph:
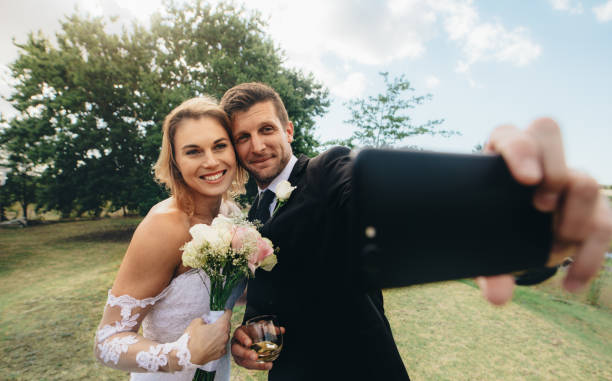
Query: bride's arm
{"points": [[146, 270]]}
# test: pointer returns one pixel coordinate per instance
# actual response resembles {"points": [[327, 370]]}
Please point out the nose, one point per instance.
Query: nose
{"points": [[210, 160], [257, 144]]}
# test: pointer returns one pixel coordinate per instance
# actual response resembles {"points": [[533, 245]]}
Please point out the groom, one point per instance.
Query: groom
{"points": [[335, 330]]}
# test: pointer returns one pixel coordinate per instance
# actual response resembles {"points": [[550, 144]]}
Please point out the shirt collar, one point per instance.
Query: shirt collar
{"points": [[284, 175]]}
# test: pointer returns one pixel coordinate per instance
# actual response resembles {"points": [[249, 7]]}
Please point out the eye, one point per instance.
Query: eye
{"points": [[220, 146], [191, 152], [267, 129], [241, 139]]}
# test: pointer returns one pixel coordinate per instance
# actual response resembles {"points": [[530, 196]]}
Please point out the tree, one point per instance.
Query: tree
{"points": [[205, 49], [91, 105], [76, 114], [20, 182], [383, 120], [7, 196]]}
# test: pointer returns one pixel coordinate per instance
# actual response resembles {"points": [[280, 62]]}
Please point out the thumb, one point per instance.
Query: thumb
{"points": [[227, 315], [496, 289]]}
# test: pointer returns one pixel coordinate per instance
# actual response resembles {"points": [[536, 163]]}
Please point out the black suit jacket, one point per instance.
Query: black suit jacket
{"points": [[334, 329]]}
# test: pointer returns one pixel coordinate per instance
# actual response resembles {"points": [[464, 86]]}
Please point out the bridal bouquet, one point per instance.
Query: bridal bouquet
{"points": [[229, 251]]}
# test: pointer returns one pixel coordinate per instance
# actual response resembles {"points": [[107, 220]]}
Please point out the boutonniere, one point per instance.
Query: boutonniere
{"points": [[283, 192]]}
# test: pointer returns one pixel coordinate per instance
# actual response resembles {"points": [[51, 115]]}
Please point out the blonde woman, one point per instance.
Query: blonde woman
{"points": [[153, 289]]}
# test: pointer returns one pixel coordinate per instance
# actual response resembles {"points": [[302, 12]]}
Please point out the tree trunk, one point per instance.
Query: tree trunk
{"points": [[24, 208]]}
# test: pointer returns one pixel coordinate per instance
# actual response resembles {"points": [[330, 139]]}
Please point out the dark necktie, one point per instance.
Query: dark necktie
{"points": [[263, 206]]}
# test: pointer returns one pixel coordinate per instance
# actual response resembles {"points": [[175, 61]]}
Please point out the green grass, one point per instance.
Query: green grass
{"points": [[54, 279]]}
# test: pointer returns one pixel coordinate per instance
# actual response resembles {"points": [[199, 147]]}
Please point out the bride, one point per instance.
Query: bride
{"points": [[198, 164]]}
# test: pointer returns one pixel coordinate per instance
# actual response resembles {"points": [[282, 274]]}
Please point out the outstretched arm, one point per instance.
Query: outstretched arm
{"points": [[583, 227]]}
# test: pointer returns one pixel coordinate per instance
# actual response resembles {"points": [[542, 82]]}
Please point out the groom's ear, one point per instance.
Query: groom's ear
{"points": [[289, 131]]}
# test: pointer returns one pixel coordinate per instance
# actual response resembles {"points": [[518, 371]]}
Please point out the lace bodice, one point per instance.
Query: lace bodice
{"points": [[185, 299]]}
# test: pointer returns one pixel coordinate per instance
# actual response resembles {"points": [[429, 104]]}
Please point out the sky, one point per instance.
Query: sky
{"points": [[486, 63]]}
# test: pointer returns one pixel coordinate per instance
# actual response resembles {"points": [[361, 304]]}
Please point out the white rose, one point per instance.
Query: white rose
{"points": [[283, 190], [222, 222], [191, 257], [224, 234], [202, 233]]}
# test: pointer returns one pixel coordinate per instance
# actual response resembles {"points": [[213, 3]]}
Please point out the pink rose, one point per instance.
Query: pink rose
{"points": [[241, 234], [264, 250]]}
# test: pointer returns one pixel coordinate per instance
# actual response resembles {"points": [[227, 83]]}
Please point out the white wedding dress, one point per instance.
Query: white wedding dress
{"points": [[164, 318]]}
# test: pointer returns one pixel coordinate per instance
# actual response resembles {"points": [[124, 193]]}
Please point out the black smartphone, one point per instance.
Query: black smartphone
{"points": [[427, 216]]}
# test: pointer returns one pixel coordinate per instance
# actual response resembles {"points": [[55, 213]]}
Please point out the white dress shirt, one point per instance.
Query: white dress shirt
{"points": [[284, 175]]}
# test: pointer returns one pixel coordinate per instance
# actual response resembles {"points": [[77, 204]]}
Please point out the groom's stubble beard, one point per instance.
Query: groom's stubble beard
{"points": [[264, 180]]}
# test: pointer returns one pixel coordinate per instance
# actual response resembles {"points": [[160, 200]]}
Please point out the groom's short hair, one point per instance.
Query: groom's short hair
{"points": [[242, 97]]}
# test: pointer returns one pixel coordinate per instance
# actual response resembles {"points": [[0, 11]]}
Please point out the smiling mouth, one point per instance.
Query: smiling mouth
{"points": [[214, 177], [259, 161]]}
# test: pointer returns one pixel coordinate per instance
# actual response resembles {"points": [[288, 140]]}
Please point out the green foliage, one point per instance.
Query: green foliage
{"points": [[22, 178], [206, 50], [7, 195], [91, 106], [383, 120]]}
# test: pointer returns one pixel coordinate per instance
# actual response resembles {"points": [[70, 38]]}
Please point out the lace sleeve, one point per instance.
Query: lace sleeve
{"points": [[118, 344]]}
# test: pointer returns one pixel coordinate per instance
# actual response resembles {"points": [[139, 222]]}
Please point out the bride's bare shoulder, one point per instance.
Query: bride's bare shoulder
{"points": [[154, 251], [165, 221]]}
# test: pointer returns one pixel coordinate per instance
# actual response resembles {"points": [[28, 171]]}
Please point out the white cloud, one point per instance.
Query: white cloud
{"points": [[603, 12], [326, 37], [333, 38], [364, 32], [573, 7], [432, 82], [482, 41], [353, 86]]}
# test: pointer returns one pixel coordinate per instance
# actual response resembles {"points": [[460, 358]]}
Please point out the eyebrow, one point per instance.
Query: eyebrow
{"points": [[187, 146]]}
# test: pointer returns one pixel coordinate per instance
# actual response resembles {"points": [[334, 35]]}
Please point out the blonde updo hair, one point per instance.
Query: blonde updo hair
{"points": [[166, 169]]}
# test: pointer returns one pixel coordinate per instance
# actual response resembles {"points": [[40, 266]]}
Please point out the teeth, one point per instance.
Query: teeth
{"points": [[213, 177]]}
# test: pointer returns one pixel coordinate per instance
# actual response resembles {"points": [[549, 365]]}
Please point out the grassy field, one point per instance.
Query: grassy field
{"points": [[54, 279]]}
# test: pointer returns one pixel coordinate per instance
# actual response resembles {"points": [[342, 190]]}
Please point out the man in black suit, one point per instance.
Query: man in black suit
{"points": [[334, 328]]}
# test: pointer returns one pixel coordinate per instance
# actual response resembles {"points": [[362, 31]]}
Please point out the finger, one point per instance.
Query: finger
{"points": [[256, 365], [198, 321], [519, 151], [227, 315], [576, 219], [590, 256], [496, 289], [224, 321], [243, 353], [242, 338], [547, 137]]}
